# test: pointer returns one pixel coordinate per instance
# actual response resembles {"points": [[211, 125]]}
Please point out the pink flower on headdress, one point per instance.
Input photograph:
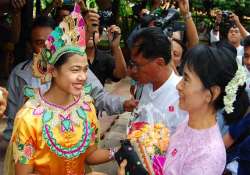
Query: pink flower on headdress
{"points": [[80, 22], [51, 38], [81, 41], [77, 8], [52, 49]]}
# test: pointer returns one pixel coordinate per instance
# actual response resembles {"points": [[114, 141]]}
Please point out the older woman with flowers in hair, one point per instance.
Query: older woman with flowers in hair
{"points": [[213, 80]]}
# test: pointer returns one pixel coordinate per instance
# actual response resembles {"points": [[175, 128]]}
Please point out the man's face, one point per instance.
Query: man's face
{"points": [[234, 36], [246, 59], [38, 37], [144, 68]]}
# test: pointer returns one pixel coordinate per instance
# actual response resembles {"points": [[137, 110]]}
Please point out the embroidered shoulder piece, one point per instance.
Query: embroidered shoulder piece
{"points": [[87, 89], [29, 92]]}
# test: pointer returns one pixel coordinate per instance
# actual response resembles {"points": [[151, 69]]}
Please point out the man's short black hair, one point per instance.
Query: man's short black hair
{"points": [[152, 43], [43, 21]]}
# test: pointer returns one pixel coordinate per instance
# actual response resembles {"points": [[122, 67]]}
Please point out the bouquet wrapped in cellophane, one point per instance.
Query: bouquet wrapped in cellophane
{"points": [[150, 141]]}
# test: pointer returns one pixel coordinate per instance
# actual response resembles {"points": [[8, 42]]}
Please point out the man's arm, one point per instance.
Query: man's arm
{"points": [[114, 33], [192, 34], [15, 101], [244, 33], [104, 101]]}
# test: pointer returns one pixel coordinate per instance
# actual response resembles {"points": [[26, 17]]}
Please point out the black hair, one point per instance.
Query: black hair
{"points": [[246, 42], [224, 30], [63, 59], [43, 21], [152, 43], [63, 7], [217, 67]]}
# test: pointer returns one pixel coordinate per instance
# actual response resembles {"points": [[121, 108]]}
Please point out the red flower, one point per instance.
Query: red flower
{"points": [[138, 125], [28, 151]]}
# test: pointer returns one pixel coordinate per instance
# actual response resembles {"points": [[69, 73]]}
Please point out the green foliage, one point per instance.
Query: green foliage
{"points": [[240, 7]]}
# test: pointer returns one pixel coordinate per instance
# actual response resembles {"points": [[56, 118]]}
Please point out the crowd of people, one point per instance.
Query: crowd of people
{"points": [[200, 92]]}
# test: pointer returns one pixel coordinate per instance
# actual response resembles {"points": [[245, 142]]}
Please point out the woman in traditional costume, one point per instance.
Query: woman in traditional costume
{"points": [[57, 132]]}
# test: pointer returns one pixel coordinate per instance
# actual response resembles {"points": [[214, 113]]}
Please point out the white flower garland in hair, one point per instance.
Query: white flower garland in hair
{"points": [[232, 87]]}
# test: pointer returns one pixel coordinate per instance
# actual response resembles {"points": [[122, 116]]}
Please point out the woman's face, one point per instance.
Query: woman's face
{"points": [[193, 95], [70, 76], [176, 53]]}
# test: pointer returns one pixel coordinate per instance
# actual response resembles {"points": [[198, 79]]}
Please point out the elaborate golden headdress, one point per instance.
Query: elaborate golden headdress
{"points": [[68, 37]]}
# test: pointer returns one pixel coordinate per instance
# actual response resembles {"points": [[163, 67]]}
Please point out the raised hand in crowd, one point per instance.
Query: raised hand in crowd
{"points": [[184, 7], [233, 17], [192, 34], [3, 100], [114, 35], [92, 20]]}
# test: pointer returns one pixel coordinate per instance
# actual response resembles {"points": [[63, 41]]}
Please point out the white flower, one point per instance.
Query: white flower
{"points": [[232, 87]]}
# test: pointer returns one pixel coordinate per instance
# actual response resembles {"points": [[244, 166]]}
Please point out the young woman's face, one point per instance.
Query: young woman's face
{"points": [[193, 95], [70, 76]]}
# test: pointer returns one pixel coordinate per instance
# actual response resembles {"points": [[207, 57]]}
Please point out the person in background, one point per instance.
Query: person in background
{"points": [[178, 50], [234, 34], [214, 34], [103, 64], [239, 134], [246, 62], [237, 142], [21, 75], [151, 58], [62, 12]]}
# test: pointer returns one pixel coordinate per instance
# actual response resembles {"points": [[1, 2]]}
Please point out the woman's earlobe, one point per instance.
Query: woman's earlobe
{"points": [[53, 72], [215, 92]]}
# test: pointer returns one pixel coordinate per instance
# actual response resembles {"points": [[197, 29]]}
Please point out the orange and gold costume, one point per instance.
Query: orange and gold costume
{"points": [[54, 139]]}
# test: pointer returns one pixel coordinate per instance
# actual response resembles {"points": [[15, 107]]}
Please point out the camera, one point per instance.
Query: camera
{"points": [[226, 15], [226, 18], [106, 18], [167, 20]]}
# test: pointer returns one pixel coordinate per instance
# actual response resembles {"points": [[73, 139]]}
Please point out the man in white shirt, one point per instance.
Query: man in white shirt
{"points": [[234, 35], [151, 56], [234, 38]]}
